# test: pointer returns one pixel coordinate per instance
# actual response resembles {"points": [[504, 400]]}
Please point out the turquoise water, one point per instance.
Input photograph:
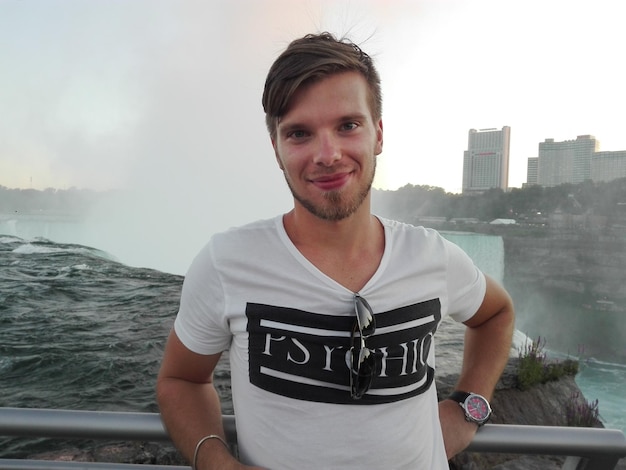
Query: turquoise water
{"points": [[605, 382]]}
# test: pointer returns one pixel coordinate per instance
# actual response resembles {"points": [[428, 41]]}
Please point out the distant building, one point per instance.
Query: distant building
{"points": [[503, 222], [607, 166], [531, 170], [566, 162], [486, 160]]}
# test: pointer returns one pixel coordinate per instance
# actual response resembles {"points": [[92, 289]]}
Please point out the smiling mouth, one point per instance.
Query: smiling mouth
{"points": [[333, 177], [330, 182]]}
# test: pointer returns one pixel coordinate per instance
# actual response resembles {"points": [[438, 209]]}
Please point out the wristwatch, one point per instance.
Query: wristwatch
{"points": [[476, 407]]}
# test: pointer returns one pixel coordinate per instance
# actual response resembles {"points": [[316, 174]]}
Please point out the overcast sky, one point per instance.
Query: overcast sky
{"points": [[165, 94], [103, 93]]}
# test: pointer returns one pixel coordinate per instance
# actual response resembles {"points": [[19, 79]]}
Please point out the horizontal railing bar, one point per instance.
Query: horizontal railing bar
{"points": [[549, 440], [593, 443], [118, 425], [16, 464]]}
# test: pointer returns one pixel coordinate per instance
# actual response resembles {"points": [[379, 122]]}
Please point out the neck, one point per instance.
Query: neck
{"points": [[306, 229], [349, 250]]}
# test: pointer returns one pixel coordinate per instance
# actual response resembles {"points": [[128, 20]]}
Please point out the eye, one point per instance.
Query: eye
{"points": [[349, 126], [297, 134]]}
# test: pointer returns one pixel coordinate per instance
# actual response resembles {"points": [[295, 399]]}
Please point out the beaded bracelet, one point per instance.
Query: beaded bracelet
{"points": [[202, 441]]}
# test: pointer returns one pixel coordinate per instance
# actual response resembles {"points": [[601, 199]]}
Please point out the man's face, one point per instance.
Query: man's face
{"points": [[326, 144]]}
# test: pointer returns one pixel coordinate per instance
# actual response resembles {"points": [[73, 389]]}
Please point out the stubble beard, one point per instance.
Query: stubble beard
{"points": [[337, 206]]}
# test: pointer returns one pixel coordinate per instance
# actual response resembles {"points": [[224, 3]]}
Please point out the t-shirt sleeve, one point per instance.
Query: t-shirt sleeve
{"points": [[201, 324], [466, 284]]}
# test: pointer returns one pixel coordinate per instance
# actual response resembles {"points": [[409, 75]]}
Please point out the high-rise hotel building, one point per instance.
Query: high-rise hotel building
{"points": [[486, 160], [565, 162], [607, 166], [574, 161]]}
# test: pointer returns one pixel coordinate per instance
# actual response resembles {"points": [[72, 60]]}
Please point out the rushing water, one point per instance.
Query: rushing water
{"points": [[80, 330]]}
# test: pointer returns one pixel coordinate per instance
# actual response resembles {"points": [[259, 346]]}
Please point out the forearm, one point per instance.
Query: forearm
{"points": [[486, 351], [189, 412]]}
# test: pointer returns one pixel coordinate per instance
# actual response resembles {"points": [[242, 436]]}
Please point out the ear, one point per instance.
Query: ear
{"points": [[379, 137]]}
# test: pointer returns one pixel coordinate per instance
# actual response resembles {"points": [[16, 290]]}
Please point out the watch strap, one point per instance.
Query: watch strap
{"points": [[459, 396]]}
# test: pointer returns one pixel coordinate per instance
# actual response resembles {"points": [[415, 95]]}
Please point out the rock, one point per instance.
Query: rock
{"points": [[70, 454], [134, 453], [531, 463]]}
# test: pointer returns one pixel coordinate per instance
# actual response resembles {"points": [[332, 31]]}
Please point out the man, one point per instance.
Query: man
{"points": [[328, 311]]}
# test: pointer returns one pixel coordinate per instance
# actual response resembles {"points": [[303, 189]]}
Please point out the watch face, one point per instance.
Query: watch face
{"points": [[477, 407]]}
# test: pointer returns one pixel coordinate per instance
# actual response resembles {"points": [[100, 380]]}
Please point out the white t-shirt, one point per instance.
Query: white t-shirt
{"points": [[288, 325]]}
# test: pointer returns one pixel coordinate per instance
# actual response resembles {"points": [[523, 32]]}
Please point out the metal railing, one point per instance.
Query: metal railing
{"points": [[585, 448]]}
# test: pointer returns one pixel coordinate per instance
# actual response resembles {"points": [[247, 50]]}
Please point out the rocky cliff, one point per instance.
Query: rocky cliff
{"points": [[573, 261], [570, 287]]}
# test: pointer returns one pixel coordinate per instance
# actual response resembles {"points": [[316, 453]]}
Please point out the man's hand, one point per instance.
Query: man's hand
{"points": [[457, 431]]}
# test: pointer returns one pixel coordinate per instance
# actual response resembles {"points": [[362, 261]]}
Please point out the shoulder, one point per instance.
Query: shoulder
{"points": [[244, 235], [236, 242], [251, 228], [402, 231], [407, 240]]}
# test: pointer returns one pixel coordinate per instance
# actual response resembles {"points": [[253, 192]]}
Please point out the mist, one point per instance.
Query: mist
{"points": [[199, 160], [180, 132], [194, 158]]}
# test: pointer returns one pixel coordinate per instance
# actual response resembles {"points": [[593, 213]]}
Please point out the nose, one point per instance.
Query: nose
{"points": [[328, 149]]}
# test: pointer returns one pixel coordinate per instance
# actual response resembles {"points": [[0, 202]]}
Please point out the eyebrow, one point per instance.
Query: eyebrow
{"points": [[286, 128]]}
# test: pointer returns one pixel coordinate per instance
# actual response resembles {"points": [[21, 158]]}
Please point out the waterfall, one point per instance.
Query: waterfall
{"points": [[58, 229], [487, 251]]}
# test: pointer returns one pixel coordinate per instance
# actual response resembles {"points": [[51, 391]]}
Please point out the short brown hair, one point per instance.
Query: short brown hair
{"points": [[309, 59]]}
